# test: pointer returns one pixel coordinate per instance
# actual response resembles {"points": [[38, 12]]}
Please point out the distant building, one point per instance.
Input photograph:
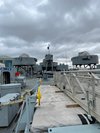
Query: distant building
{"points": [[48, 64], [85, 59], [25, 64], [24, 60], [98, 66], [8, 61], [62, 67], [38, 68]]}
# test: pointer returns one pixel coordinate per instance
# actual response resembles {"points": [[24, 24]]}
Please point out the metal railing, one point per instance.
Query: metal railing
{"points": [[83, 86], [27, 111]]}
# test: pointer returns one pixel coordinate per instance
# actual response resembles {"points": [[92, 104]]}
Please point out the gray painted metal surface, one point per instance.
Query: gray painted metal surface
{"points": [[10, 88], [11, 72], [21, 80], [8, 112], [85, 60], [24, 61], [11, 128], [26, 115], [49, 65], [94, 128], [8, 97], [27, 111], [6, 60]]}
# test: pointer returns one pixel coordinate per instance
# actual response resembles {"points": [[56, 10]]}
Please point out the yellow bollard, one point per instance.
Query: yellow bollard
{"points": [[39, 95]]}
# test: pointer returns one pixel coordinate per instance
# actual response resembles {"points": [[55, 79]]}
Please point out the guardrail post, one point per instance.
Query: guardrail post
{"points": [[93, 92], [88, 102], [27, 111]]}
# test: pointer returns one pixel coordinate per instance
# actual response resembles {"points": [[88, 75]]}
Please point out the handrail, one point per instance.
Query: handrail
{"points": [[81, 83], [27, 109]]}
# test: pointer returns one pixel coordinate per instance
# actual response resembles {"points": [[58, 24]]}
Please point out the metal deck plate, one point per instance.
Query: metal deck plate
{"points": [[93, 128]]}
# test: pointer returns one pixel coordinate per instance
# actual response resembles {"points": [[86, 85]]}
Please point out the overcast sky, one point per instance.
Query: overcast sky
{"points": [[69, 26]]}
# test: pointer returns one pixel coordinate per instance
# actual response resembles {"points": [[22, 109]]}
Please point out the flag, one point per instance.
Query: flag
{"points": [[48, 47]]}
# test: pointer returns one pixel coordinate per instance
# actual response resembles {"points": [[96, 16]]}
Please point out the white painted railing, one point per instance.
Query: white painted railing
{"points": [[83, 87]]}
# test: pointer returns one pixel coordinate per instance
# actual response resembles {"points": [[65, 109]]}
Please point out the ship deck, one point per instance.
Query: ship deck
{"points": [[56, 110]]}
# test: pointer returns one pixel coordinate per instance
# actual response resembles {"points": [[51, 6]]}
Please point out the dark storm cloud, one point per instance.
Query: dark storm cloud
{"points": [[70, 26]]}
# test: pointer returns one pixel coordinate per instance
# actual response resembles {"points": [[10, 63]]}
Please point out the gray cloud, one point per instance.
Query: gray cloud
{"points": [[70, 26]]}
